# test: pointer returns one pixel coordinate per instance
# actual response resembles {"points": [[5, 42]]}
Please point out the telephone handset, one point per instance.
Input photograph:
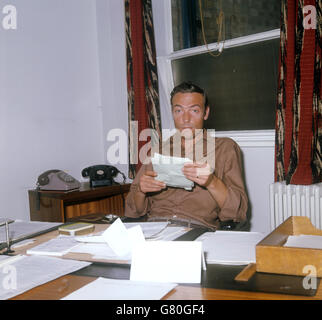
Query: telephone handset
{"points": [[102, 175], [57, 180]]}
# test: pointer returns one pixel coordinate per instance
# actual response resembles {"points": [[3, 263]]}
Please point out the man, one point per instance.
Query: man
{"points": [[218, 193]]}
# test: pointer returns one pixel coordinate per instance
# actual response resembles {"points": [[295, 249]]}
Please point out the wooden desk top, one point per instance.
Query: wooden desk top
{"points": [[65, 285]]}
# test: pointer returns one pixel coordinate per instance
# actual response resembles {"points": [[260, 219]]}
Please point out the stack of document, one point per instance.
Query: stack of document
{"points": [[230, 247]]}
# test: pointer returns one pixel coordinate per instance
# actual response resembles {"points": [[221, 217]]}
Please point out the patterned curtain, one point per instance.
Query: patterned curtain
{"points": [[142, 79], [299, 111]]}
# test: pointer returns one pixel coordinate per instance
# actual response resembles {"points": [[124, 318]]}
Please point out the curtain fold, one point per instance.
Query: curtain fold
{"points": [[298, 157], [142, 78]]}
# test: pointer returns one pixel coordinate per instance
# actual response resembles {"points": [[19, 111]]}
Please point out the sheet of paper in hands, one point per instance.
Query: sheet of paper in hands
{"points": [[169, 170]]}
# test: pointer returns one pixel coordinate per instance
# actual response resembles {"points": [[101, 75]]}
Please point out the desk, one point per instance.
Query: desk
{"points": [[63, 286], [61, 206]]}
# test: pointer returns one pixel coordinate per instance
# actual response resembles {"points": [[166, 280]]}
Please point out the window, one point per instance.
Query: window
{"points": [[239, 17], [241, 81], [241, 85]]}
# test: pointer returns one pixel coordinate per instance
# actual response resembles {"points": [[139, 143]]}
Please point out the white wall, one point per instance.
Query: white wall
{"points": [[259, 173], [49, 100], [113, 81]]}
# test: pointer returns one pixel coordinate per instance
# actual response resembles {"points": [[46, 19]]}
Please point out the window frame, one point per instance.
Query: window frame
{"points": [[165, 55]]}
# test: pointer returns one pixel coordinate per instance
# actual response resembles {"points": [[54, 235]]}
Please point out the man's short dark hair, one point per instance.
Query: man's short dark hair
{"points": [[189, 87]]}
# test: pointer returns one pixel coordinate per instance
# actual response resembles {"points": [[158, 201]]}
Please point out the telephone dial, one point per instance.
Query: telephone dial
{"points": [[57, 180], [101, 175]]}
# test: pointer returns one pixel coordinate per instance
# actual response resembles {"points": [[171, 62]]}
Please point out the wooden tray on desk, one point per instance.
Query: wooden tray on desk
{"points": [[273, 257]]}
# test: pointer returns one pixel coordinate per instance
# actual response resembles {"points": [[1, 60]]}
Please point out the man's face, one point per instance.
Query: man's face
{"points": [[189, 111]]}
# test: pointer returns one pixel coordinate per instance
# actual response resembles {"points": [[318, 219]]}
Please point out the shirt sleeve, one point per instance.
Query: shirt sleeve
{"points": [[130, 208], [236, 204]]}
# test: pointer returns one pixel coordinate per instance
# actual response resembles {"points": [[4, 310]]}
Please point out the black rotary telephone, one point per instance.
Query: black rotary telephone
{"points": [[102, 175]]}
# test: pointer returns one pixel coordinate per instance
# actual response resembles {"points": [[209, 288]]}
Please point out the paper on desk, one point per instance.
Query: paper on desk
{"points": [[151, 231], [148, 228], [22, 243], [110, 289], [31, 271], [169, 170], [99, 251], [54, 247], [3, 258], [230, 247], [158, 230], [91, 239], [8, 260], [169, 234], [19, 229], [122, 240], [304, 241], [102, 251], [119, 239]]}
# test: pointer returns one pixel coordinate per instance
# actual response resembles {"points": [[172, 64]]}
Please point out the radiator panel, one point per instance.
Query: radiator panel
{"points": [[295, 200]]}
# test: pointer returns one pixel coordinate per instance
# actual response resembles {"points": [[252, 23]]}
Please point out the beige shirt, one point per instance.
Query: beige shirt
{"points": [[198, 204]]}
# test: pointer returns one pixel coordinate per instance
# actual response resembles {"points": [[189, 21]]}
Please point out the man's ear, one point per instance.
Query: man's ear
{"points": [[206, 113]]}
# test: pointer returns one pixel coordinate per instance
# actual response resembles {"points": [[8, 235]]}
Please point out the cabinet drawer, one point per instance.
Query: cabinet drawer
{"points": [[111, 205]]}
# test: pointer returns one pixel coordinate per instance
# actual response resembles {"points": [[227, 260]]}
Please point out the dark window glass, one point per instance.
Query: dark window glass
{"points": [[241, 84], [241, 18]]}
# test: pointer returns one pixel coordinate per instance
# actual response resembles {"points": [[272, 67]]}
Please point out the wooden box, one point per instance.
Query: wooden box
{"points": [[273, 257]]}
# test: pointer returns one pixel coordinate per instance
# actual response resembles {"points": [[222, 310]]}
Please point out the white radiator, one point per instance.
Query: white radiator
{"points": [[295, 200]]}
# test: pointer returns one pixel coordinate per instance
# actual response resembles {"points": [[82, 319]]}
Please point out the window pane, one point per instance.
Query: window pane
{"points": [[241, 84], [242, 17]]}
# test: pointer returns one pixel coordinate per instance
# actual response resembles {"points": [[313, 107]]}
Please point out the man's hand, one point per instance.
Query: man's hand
{"points": [[148, 183], [200, 173]]}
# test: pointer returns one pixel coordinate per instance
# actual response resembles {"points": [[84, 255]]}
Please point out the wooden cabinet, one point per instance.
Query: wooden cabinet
{"points": [[61, 206]]}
